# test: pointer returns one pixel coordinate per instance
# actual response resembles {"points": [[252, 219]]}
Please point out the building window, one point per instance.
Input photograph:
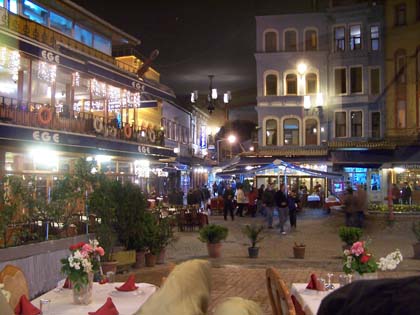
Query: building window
{"points": [[311, 40], [374, 81], [35, 13], [102, 44], [61, 23], [340, 124], [291, 131], [356, 120], [401, 113], [311, 83], [271, 132], [311, 132], [290, 41], [355, 37], [270, 41], [356, 80], [271, 85], [401, 68], [376, 125], [400, 14], [11, 5], [418, 79], [83, 35], [374, 37], [291, 84], [340, 79], [340, 38]]}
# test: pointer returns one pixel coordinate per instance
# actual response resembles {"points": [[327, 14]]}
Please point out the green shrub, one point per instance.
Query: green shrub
{"points": [[349, 235], [416, 229], [253, 233], [213, 233]]}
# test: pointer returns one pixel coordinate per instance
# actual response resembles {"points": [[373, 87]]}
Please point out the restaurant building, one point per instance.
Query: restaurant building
{"points": [[64, 96]]}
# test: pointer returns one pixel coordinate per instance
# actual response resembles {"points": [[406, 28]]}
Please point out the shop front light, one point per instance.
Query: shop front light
{"points": [[44, 156]]}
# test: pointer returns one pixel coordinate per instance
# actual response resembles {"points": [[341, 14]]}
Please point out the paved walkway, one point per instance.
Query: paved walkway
{"points": [[235, 274]]}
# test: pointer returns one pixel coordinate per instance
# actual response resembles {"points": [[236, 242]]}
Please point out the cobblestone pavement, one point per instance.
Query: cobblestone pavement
{"points": [[234, 274]]}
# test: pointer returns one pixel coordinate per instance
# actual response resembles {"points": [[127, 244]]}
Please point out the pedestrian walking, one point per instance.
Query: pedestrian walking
{"points": [[260, 207], [241, 200], [252, 200], [361, 201], [396, 194], [228, 196], [292, 202], [268, 204], [281, 203], [349, 206], [406, 194]]}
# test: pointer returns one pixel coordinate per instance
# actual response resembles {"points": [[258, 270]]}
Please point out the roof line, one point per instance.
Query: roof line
{"points": [[107, 24]]}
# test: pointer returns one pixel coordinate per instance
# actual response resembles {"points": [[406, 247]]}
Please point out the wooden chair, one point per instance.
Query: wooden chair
{"points": [[15, 282], [280, 299]]}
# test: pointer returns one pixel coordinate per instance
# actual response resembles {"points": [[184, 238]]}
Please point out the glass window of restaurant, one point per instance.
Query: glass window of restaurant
{"points": [[61, 23], [35, 12], [291, 131], [10, 62], [63, 92], [43, 79], [81, 85], [83, 35]]}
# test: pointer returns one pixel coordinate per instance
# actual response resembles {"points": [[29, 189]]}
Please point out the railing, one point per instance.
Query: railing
{"points": [[28, 114]]}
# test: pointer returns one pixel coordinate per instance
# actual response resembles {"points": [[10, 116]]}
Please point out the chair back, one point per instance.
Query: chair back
{"points": [[280, 299], [15, 282]]}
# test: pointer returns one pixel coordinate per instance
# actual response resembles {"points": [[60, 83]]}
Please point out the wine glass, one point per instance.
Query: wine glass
{"points": [[329, 285]]}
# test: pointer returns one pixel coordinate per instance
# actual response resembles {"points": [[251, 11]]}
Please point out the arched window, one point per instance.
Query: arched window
{"points": [[311, 132], [311, 40], [291, 84], [401, 88], [271, 132], [311, 83], [291, 131], [290, 41], [271, 84], [270, 41]]}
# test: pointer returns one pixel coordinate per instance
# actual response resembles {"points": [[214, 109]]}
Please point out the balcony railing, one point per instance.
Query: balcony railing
{"points": [[28, 114]]}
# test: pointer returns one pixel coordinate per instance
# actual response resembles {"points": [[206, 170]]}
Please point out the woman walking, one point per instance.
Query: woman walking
{"points": [[281, 203], [292, 202]]}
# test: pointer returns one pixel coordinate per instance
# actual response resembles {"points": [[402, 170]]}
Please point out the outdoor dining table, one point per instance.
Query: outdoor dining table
{"points": [[127, 303], [310, 300]]}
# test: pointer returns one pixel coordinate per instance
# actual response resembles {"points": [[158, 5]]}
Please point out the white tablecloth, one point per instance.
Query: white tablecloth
{"points": [[310, 300], [126, 302]]}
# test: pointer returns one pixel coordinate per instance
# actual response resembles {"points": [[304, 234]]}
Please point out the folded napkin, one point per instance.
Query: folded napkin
{"points": [[107, 309], [313, 283], [67, 284], [24, 307], [298, 307], [129, 285]]}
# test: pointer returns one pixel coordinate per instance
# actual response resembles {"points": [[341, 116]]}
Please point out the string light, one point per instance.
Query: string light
{"points": [[10, 59], [98, 88], [76, 79], [47, 72]]}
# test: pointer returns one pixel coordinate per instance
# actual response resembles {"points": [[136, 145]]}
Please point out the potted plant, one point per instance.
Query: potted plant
{"points": [[166, 237], [213, 234], [152, 239], [349, 235], [299, 250], [253, 233], [416, 246]]}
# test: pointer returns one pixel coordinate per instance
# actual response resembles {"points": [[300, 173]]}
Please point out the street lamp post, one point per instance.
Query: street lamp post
{"points": [[231, 139], [212, 96]]}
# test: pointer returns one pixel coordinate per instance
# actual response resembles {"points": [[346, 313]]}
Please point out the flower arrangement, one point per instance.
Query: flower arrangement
{"points": [[83, 260], [359, 259]]}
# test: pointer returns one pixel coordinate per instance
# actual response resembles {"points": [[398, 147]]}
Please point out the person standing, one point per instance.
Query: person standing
{"points": [[396, 194], [281, 203], [260, 207], [252, 199], [240, 199], [361, 201], [349, 204], [268, 204], [292, 202], [214, 189], [406, 194], [228, 196]]}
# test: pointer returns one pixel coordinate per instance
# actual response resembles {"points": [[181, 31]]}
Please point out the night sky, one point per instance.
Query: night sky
{"points": [[196, 38]]}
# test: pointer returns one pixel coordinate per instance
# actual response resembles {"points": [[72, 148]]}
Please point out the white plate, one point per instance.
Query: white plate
{"points": [[126, 293]]}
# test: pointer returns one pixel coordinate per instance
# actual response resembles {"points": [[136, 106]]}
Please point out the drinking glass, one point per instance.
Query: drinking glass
{"points": [[321, 284], [329, 285], [110, 275], [342, 279]]}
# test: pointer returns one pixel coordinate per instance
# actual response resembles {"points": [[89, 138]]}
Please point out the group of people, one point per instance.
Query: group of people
{"points": [[402, 195], [355, 203], [198, 196]]}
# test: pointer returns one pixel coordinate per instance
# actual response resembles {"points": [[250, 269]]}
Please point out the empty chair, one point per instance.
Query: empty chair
{"points": [[15, 282], [280, 299]]}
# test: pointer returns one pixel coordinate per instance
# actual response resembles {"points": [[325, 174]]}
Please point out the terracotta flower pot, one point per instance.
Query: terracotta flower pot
{"points": [[140, 259], [109, 266], [150, 260], [299, 252], [416, 249], [214, 250], [161, 256]]}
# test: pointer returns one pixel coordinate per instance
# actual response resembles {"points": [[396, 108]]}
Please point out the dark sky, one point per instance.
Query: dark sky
{"points": [[196, 38]]}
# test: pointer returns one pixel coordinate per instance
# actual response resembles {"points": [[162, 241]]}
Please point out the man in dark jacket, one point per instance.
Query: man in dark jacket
{"points": [[269, 203], [281, 203], [228, 196], [384, 296]]}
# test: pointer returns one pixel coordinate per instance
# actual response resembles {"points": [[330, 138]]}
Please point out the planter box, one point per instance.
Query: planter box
{"points": [[125, 259], [40, 262]]}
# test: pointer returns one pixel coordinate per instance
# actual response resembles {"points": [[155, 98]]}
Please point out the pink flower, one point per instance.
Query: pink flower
{"points": [[364, 259], [357, 249], [87, 248], [100, 251]]}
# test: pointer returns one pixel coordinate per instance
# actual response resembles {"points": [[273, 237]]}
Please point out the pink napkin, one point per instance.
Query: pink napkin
{"points": [[107, 309], [313, 283], [24, 307], [129, 285]]}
